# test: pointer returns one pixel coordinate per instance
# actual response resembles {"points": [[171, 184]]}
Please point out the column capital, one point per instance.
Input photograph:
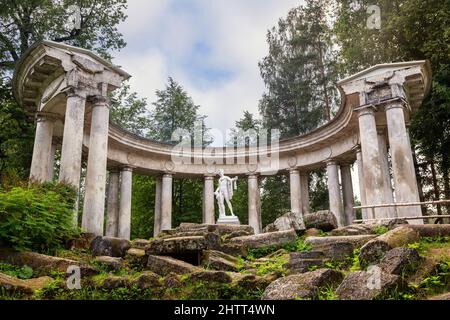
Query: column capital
{"points": [[127, 168], [331, 162], [252, 176], [367, 110], [167, 175], [294, 171], [208, 177], [72, 91], [399, 103], [99, 101], [47, 116]]}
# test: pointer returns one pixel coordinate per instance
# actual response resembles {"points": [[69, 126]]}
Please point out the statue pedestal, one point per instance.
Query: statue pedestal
{"points": [[229, 220]]}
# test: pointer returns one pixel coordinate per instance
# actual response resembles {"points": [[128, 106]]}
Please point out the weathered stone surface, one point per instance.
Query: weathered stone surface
{"points": [[172, 281], [220, 261], [445, 296], [166, 265], [307, 255], [110, 263], [357, 241], [210, 276], [286, 222], [374, 250], [312, 232], [235, 234], [14, 285], [42, 263], [234, 249], [140, 243], [432, 230], [137, 258], [303, 265], [400, 261], [109, 246], [253, 282], [301, 286], [323, 220], [270, 239], [83, 242], [360, 285], [147, 280], [367, 227], [114, 282], [427, 267], [222, 229], [182, 245]]}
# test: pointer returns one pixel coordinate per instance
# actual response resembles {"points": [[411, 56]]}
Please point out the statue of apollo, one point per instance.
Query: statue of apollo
{"points": [[224, 192]]}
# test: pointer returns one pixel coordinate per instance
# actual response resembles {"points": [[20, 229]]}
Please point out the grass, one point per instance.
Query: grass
{"points": [[24, 272]]}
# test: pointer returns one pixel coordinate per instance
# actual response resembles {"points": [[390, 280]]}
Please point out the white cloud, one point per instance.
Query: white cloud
{"points": [[162, 36]]}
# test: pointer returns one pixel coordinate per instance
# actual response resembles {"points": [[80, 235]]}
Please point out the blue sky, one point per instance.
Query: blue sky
{"points": [[211, 47]]}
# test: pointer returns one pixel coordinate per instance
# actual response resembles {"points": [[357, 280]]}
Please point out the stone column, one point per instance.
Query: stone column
{"points": [[347, 193], [94, 198], [254, 212], [166, 202], [334, 192], [382, 147], [126, 182], [304, 192], [42, 148], [208, 200], [373, 175], [157, 217], [362, 189], [51, 163], [405, 182], [294, 182], [72, 138], [112, 220]]}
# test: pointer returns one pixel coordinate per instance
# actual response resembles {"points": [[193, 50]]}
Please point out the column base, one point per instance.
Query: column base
{"points": [[229, 220]]}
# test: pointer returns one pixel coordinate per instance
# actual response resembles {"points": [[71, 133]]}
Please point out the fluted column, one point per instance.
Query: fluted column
{"points": [[405, 182], [373, 175], [71, 150], [347, 193], [254, 211], [304, 191], [112, 220], [42, 148], [362, 188], [208, 200], [157, 217], [334, 192], [166, 202], [126, 183], [94, 198]]}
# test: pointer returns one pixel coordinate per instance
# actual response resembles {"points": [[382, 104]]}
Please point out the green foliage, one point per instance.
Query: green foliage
{"points": [[380, 230], [23, 272], [273, 265], [296, 246], [327, 293], [38, 217]]}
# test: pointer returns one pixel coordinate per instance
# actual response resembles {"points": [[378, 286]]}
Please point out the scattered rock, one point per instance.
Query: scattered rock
{"points": [[323, 220], [137, 258], [235, 234], [43, 264], [234, 249], [14, 285], [147, 280], [110, 263], [253, 282], [287, 221], [445, 296], [307, 255], [432, 230], [210, 276], [140, 243], [181, 245], [400, 261], [166, 265], [362, 285], [109, 246], [356, 241], [302, 286], [220, 261], [83, 242], [312, 232], [114, 282], [303, 265], [374, 250], [222, 229], [427, 267], [270, 239], [172, 281]]}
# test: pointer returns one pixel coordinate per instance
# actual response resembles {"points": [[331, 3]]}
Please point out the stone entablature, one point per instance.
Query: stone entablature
{"points": [[71, 84]]}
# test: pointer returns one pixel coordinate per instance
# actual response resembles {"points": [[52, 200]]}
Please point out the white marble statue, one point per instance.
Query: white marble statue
{"points": [[224, 192]]}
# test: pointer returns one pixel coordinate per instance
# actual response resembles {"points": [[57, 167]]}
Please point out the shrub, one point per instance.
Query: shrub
{"points": [[37, 217]]}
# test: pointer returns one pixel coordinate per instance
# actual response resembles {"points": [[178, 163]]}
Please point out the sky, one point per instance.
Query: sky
{"points": [[211, 47]]}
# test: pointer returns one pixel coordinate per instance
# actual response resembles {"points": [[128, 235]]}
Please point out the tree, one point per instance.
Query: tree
{"points": [[299, 71], [25, 22]]}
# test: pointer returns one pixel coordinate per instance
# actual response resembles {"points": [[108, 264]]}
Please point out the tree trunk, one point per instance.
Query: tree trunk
{"points": [[418, 178], [436, 190]]}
